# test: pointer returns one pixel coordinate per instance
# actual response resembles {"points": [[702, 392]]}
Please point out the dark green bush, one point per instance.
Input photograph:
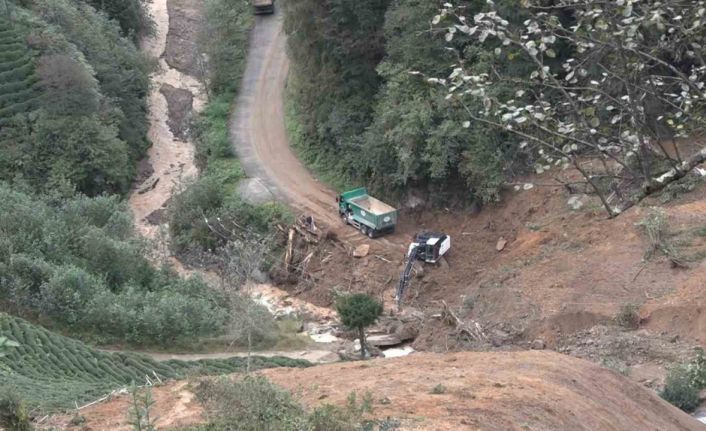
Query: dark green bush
{"points": [[13, 413], [78, 261], [250, 404], [680, 390]]}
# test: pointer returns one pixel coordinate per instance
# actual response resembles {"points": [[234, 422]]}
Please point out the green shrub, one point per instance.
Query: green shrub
{"points": [[680, 390], [51, 372], [250, 404], [78, 261], [438, 389], [628, 316], [13, 413]]}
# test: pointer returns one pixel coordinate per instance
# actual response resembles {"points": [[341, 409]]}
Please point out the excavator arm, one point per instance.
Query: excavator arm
{"points": [[404, 279]]}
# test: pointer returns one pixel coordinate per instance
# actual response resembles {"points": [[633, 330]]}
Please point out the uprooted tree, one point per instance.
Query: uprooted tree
{"points": [[615, 88], [358, 311]]}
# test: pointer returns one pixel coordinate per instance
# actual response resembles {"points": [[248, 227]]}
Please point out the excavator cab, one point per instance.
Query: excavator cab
{"points": [[430, 246], [427, 247]]}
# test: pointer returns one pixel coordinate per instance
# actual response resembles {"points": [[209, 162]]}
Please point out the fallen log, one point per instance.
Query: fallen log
{"points": [[471, 329]]}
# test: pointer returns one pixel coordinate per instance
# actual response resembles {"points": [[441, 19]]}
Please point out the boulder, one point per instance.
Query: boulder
{"points": [[361, 251]]}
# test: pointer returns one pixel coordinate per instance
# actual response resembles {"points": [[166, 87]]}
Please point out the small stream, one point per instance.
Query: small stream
{"points": [[171, 159]]}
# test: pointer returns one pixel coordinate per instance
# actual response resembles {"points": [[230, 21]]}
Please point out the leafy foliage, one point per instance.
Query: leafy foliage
{"points": [[365, 119], [680, 390], [72, 100], [611, 87], [250, 404], [254, 403], [130, 14], [51, 371], [357, 311], [78, 262], [13, 412], [214, 196]]}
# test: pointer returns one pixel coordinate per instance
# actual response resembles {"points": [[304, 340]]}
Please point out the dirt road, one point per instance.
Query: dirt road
{"points": [[258, 130]]}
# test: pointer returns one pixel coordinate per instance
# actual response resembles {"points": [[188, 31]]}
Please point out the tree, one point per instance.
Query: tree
{"points": [[357, 311], [241, 261], [616, 89]]}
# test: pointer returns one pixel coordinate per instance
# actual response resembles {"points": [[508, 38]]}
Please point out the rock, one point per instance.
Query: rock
{"points": [[575, 203], [538, 344], [384, 340], [407, 332], [148, 185], [502, 242], [361, 251]]}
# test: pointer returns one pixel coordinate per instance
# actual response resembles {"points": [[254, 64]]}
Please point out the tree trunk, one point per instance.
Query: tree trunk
{"points": [[674, 174], [247, 366], [361, 334]]}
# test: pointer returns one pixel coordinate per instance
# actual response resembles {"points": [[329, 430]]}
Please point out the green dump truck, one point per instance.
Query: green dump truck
{"points": [[369, 215]]}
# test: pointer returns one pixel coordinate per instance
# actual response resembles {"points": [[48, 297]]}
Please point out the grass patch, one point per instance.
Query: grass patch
{"points": [[438, 389], [628, 317], [51, 372]]}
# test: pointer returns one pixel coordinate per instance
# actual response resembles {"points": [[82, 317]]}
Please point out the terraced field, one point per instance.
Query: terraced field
{"points": [[53, 372], [19, 85]]}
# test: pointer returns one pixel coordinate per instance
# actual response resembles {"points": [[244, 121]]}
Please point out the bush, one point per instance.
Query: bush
{"points": [[78, 262], [680, 390], [13, 413], [250, 404], [628, 316]]}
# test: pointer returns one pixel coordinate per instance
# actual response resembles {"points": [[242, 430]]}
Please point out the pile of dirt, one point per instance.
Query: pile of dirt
{"points": [[474, 391], [560, 272], [182, 50], [180, 107]]}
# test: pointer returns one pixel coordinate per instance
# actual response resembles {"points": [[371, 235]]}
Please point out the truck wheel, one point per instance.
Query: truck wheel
{"points": [[344, 218], [371, 233], [364, 229]]}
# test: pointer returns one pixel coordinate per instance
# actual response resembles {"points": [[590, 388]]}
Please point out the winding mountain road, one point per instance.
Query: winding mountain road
{"points": [[258, 129]]}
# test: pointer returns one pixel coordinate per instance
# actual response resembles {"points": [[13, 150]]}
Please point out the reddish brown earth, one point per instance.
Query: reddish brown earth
{"points": [[482, 391]]}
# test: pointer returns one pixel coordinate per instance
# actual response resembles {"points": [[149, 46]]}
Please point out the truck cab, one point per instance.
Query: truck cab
{"points": [[262, 7]]}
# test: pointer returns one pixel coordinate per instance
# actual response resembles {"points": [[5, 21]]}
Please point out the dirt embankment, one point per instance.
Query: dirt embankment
{"points": [[474, 391]]}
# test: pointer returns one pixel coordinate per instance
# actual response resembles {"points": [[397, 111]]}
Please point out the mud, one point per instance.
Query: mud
{"points": [[180, 109], [477, 391], [171, 159], [182, 50]]}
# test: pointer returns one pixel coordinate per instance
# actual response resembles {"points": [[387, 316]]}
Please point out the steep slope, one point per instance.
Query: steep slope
{"points": [[19, 85], [475, 391], [51, 371]]}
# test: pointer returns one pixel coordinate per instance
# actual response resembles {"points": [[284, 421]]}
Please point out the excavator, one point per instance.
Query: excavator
{"points": [[427, 247]]}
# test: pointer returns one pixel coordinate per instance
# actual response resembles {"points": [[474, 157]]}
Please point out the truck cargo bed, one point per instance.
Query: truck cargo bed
{"points": [[372, 205]]}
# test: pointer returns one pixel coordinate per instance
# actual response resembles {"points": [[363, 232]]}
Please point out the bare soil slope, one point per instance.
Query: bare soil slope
{"points": [[483, 391]]}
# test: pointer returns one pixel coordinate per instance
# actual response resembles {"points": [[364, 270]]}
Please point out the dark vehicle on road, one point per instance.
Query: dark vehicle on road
{"points": [[262, 7]]}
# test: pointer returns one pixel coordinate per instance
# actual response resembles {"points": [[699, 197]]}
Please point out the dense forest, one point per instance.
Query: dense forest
{"points": [[73, 114], [73, 123], [360, 113], [401, 94]]}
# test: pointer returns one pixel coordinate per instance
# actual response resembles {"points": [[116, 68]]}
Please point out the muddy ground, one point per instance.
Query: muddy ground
{"points": [[180, 110], [457, 391], [185, 23]]}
